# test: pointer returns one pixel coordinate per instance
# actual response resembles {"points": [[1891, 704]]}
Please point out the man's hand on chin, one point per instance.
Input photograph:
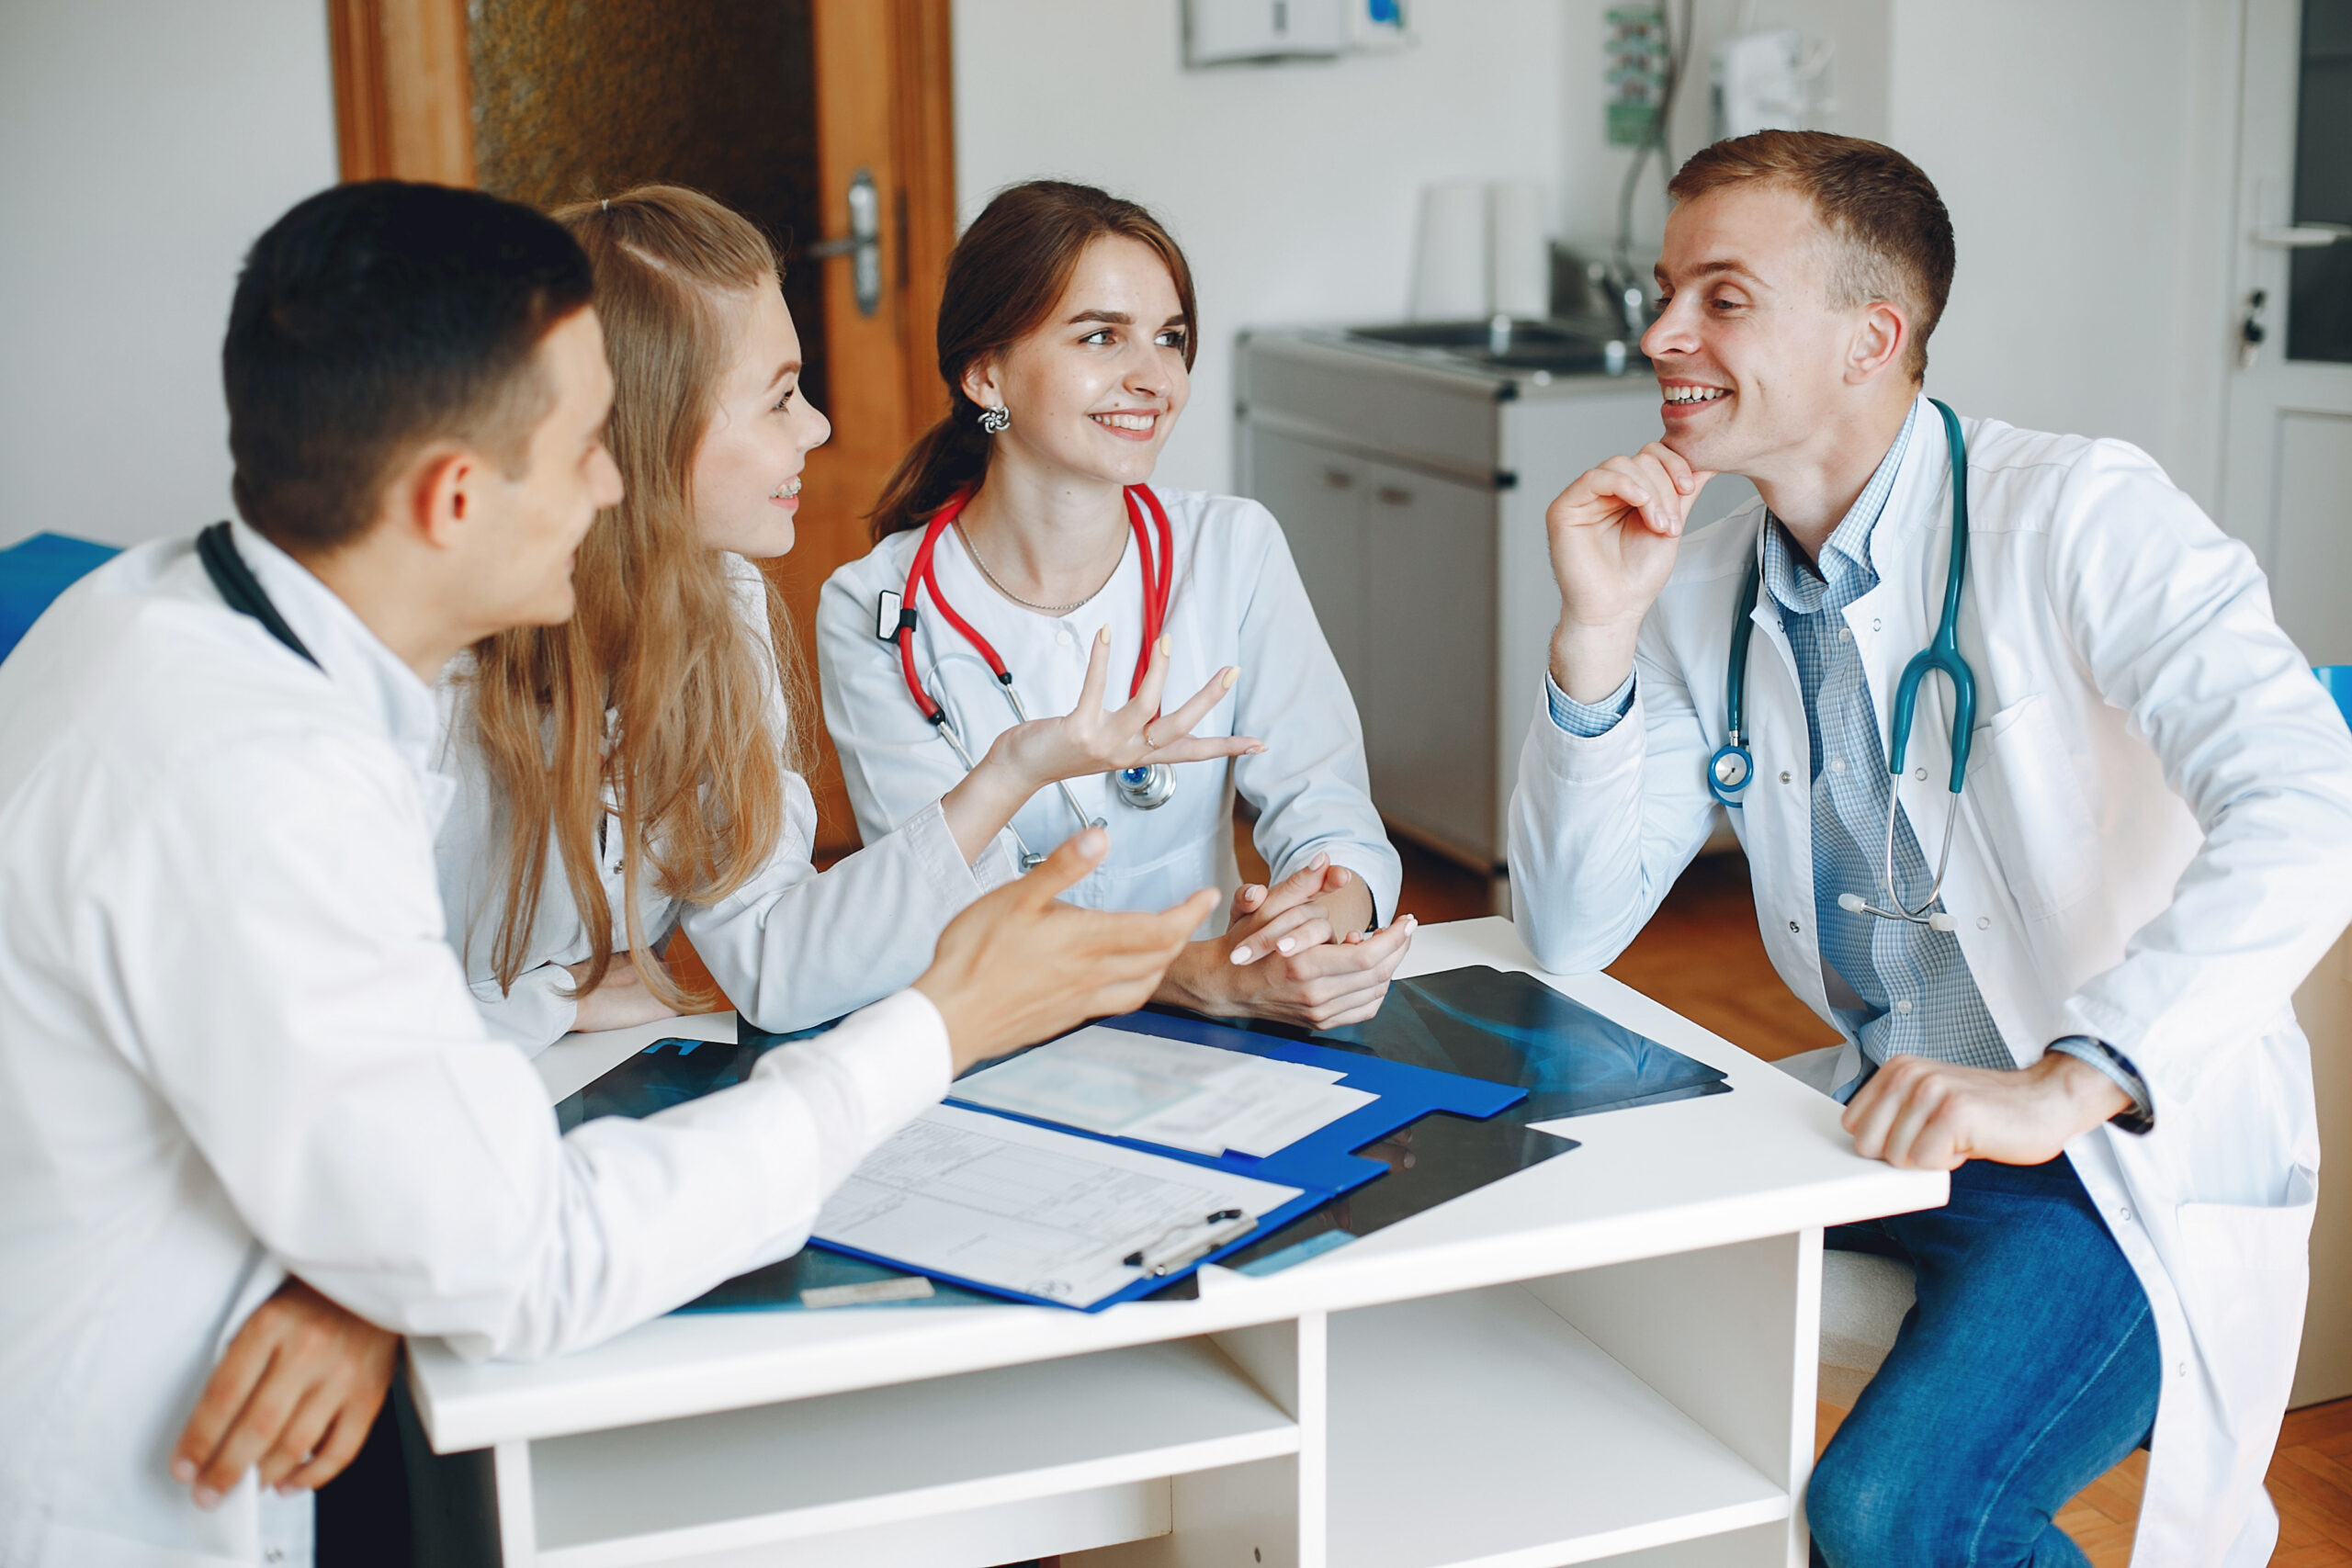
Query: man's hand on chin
{"points": [[1934, 1116]]}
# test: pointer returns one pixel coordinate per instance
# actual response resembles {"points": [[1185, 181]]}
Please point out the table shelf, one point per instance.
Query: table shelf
{"points": [[1087, 1426], [1482, 1428]]}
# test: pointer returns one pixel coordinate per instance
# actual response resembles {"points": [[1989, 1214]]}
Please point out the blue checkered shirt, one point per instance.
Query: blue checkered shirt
{"points": [[1916, 995]]}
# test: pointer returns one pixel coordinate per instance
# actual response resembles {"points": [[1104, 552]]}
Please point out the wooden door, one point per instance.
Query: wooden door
{"points": [[878, 74]]}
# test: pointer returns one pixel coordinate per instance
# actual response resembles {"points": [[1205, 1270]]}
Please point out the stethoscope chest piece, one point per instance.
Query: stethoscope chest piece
{"points": [[1147, 788], [1728, 772]]}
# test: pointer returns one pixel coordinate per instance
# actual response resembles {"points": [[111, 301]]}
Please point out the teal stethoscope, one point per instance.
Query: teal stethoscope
{"points": [[1732, 766]]}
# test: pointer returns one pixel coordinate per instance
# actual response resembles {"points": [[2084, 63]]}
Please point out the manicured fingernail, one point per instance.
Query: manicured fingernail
{"points": [[1257, 751], [184, 1471], [1231, 675], [1104, 635], [1242, 956], [1319, 861], [1165, 643], [207, 1498], [1284, 946]]}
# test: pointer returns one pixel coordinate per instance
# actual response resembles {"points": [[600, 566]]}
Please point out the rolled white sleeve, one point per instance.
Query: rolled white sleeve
{"points": [[2172, 618], [533, 1014], [795, 946]]}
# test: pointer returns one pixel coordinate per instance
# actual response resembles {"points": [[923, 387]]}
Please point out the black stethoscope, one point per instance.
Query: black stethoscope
{"points": [[1147, 786], [1729, 770]]}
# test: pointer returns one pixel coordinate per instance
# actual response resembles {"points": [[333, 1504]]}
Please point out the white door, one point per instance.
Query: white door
{"points": [[2287, 486]]}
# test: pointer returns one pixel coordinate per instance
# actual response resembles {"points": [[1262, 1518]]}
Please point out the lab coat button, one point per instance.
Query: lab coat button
{"points": [[1875, 623], [2123, 1215], [1784, 775], [1919, 773], [1063, 637], [1984, 922], [1792, 926]]}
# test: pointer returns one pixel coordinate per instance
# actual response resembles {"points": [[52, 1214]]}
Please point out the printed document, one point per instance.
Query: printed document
{"points": [[1026, 1209], [1155, 1090]]}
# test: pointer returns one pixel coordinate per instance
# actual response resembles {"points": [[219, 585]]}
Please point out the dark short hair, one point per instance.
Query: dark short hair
{"points": [[376, 317], [1893, 235]]}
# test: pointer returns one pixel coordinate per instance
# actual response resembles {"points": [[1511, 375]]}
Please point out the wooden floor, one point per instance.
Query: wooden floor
{"points": [[1702, 956]]}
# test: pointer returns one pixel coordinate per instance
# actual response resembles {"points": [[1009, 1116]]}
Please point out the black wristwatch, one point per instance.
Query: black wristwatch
{"points": [[2140, 1116]]}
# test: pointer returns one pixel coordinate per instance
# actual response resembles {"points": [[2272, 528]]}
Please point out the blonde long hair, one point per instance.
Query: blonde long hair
{"points": [[697, 758]]}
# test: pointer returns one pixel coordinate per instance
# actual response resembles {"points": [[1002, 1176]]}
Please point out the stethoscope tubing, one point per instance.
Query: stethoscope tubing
{"points": [[1147, 787], [1733, 766]]}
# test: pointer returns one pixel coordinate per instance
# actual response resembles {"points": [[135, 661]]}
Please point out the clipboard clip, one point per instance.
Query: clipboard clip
{"points": [[1179, 1244]]}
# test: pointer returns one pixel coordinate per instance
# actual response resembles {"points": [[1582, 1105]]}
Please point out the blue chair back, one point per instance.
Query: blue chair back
{"points": [[2337, 679], [36, 570]]}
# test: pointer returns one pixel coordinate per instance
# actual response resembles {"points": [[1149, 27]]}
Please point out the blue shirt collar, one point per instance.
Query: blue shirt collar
{"points": [[1845, 571]]}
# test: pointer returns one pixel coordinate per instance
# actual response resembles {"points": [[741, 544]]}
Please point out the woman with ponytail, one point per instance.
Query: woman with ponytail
{"points": [[634, 770], [1066, 342]]}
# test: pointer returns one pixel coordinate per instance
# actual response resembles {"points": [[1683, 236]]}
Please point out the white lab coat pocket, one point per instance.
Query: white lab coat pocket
{"points": [[2243, 1273], [2035, 807]]}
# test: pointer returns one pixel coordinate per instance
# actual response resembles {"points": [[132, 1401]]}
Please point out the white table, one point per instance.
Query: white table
{"points": [[1609, 1356]]}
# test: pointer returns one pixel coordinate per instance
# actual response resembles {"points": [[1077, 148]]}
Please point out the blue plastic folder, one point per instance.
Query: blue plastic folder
{"points": [[1322, 1166]]}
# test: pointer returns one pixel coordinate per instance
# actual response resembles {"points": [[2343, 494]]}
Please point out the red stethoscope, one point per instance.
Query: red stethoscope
{"points": [[1146, 788]]}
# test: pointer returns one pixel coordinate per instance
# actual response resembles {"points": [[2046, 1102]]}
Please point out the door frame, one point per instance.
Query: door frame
{"points": [[884, 104]]}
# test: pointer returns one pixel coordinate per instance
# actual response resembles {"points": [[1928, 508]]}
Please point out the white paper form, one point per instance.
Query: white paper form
{"points": [[1027, 1209], [1157, 1090]]}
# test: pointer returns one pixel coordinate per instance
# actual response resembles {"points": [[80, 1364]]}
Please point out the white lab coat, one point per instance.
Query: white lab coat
{"points": [[1235, 600], [791, 948], [233, 1043], [2154, 846]]}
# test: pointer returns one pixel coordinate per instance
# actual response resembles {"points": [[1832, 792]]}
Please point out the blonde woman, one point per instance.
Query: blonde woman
{"points": [[636, 770]]}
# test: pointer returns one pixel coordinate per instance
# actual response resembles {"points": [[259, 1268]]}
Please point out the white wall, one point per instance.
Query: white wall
{"points": [[2085, 151], [2082, 149], [147, 145], [1293, 189]]}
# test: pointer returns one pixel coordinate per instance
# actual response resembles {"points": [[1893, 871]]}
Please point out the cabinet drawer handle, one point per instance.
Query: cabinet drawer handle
{"points": [[1338, 479], [1391, 495]]}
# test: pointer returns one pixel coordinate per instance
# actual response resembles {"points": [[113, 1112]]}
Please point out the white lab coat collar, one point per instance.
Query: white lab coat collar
{"points": [[354, 659]]}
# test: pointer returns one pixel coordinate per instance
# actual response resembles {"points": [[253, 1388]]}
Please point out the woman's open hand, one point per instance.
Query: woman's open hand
{"points": [[1090, 739]]}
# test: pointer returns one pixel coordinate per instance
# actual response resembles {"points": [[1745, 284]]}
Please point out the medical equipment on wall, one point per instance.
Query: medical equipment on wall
{"points": [[1774, 79], [1147, 786], [1729, 770]]}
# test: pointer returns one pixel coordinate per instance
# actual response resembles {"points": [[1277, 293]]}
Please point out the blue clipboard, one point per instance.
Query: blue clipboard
{"points": [[1323, 1165]]}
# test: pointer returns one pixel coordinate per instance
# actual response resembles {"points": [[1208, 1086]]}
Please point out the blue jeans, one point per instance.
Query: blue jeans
{"points": [[2028, 1368]]}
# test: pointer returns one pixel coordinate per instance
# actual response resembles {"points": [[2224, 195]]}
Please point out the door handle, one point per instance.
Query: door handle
{"points": [[1338, 479], [1394, 495], [2302, 236], [862, 244]]}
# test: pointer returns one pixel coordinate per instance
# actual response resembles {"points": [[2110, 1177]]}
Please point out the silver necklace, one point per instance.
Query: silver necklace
{"points": [[1057, 610]]}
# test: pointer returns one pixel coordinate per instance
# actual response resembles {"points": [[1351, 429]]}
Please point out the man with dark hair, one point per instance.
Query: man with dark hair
{"points": [[235, 1043], [2058, 919]]}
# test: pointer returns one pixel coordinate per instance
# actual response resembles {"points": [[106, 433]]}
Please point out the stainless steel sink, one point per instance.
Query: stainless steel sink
{"points": [[1558, 348]]}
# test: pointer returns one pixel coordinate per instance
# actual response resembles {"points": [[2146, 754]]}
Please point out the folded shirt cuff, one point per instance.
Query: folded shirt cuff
{"points": [[1589, 720], [2142, 1115]]}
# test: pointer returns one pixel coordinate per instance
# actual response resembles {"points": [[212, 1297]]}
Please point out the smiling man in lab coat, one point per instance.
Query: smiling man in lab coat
{"points": [[234, 1043], [2154, 847]]}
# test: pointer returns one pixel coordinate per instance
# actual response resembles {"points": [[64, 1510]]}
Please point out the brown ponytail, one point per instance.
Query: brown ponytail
{"points": [[1004, 278]]}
